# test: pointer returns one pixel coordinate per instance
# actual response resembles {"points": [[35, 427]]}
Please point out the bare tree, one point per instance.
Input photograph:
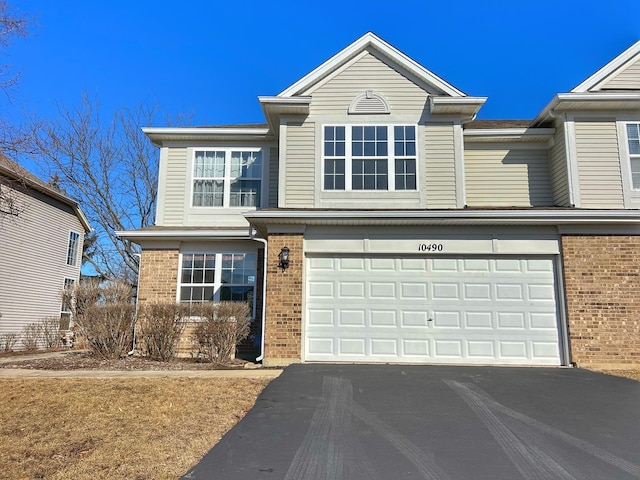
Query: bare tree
{"points": [[13, 139], [111, 168]]}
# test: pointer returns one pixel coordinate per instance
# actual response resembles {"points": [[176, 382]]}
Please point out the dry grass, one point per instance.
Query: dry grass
{"points": [[632, 373], [115, 428]]}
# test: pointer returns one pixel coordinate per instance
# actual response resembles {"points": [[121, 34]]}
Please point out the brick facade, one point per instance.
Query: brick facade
{"points": [[602, 283], [158, 276], [283, 327]]}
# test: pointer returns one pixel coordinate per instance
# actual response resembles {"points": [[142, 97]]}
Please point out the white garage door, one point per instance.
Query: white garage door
{"points": [[499, 310]]}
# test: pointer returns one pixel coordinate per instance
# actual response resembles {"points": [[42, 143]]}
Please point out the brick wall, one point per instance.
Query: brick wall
{"points": [[283, 327], [602, 282], [158, 276]]}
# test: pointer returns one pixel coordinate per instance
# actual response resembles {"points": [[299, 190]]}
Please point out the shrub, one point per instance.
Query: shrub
{"points": [[221, 327], [104, 316], [8, 341], [49, 332], [160, 326], [29, 336]]}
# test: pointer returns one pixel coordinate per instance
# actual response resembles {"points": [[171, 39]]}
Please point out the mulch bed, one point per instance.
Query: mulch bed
{"points": [[87, 361]]}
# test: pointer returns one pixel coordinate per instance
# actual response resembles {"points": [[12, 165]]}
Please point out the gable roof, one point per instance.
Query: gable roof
{"points": [[371, 41], [610, 70], [10, 169]]}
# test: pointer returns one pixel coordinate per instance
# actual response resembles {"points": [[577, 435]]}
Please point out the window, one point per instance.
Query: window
{"points": [[227, 178], [633, 139], [72, 248], [214, 277], [369, 157], [65, 309]]}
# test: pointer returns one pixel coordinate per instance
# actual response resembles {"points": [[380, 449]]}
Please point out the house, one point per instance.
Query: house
{"points": [[374, 219], [41, 235]]}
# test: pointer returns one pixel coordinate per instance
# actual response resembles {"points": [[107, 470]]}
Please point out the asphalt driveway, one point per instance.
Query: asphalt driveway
{"points": [[357, 422]]}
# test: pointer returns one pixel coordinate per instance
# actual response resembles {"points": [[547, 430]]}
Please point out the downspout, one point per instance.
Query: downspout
{"points": [[264, 290], [135, 323]]}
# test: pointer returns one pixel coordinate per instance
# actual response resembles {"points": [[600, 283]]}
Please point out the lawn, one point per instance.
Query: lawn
{"points": [[115, 428]]}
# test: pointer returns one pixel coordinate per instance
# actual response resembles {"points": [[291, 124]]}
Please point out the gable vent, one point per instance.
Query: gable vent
{"points": [[369, 102]]}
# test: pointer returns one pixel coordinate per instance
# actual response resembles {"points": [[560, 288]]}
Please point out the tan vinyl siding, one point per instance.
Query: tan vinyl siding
{"points": [[599, 172], [439, 169], [506, 176], [558, 169], [176, 187], [274, 170], [628, 79], [300, 167], [33, 261], [368, 72]]}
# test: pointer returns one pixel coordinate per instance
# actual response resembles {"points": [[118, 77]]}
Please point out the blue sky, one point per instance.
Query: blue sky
{"points": [[212, 59]]}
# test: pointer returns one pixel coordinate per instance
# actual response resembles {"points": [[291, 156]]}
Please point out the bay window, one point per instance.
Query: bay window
{"points": [[226, 177], [369, 157]]}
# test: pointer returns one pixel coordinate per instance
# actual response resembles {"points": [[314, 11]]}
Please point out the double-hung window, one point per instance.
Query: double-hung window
{"points": [[214, 277], [72, 248], [227, 177], [65, 309], [633, 141], [369, 157]]}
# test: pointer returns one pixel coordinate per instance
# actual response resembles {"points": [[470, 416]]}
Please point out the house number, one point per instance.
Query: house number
{"points": [[430, 247]]}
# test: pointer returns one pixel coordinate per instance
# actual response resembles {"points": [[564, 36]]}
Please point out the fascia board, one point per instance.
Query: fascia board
{"points": [[370, 39], [465, 105], [608, 69], [204, 131], [178, 234], [595, 98], [551, 217]]}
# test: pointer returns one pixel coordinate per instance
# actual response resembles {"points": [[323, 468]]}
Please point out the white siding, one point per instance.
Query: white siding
{"points": [[628, 79], [507, 176], [175, 188], [439, 166], [599, 164], [300, 167], [367, 73], [33, 261], [558, 168]]}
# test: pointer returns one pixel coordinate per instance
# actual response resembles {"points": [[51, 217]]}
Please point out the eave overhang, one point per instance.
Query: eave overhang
{"points": [[261, 220], [186, 233], [594, 101], [276, 107], [525, 135], [468, 106], [160, 135]]}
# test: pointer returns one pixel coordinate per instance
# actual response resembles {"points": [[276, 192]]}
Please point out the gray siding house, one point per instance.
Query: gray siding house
{"points": [[415, 233], [41, 237]]}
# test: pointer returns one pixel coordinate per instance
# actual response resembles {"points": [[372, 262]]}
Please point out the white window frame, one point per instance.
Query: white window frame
{"points": [[349, 157], [67, 282], [217, 276], [73, 245], [227, 179], [631, 156]]}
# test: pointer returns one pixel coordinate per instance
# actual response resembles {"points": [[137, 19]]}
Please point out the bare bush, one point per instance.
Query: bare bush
{"points": [[160, 326], [104, 316], [49, 332], [29, 336], [222, 326], [8, 341]]}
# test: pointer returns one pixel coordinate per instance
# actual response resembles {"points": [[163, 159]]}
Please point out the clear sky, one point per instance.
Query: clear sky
{"points": [[212, 59]]}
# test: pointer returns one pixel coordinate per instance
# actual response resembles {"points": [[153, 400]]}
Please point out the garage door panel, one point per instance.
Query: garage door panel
{"points": [[432, 310]]}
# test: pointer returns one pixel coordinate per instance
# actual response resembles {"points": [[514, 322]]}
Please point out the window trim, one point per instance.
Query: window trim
{"points": [[631, 156], [66, 283], [227, 180], [349, 157], [217, 275], [72, 248]]}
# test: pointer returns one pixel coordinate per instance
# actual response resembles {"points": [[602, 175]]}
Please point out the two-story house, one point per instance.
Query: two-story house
{"points": [[373, 219], [41, 237]]}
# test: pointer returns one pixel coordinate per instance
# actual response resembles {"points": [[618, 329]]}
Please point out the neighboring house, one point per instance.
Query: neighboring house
{"points": [[415, 233], [41, 235]]}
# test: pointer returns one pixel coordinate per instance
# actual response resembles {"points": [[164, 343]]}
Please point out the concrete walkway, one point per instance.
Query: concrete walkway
{"points": [[32, 373]]}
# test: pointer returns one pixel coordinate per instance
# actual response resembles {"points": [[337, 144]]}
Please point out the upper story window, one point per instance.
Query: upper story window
{"points": [[72, 248], [227, 178], [633, 138], [367, 157]]}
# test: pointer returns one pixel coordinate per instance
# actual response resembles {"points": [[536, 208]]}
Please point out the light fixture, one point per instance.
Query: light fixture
{"points": [[283, 258]]}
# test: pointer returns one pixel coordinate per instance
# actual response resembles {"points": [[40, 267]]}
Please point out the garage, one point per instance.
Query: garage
{"points": [[466, 309]]}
